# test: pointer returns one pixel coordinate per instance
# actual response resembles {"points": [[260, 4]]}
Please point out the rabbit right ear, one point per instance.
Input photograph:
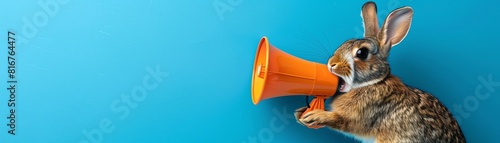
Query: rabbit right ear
{"points": [[396, 26], [370, 20]]}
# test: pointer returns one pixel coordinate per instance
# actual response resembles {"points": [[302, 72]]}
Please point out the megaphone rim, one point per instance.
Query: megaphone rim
{"points": [[264, 43]]}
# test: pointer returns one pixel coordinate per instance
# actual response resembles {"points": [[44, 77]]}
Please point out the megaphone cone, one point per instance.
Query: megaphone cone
{"points": [[276, 73]]}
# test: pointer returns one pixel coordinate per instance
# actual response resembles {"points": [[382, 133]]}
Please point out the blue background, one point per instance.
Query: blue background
{"points": [[86, 55]]}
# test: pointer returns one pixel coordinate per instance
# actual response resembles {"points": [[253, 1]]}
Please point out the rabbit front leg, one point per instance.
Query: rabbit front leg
{"points": [[324, 118]]}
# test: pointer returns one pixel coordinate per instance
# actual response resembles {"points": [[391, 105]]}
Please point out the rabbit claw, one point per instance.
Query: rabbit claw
{"points": [[315, 118], [298, 113]]}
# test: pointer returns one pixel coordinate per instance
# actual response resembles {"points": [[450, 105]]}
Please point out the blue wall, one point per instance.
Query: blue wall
{"points": [[165, 71]]}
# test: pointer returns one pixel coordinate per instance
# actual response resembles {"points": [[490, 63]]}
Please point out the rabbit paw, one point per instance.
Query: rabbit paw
{"points": [[298, 113], [315, 118]]}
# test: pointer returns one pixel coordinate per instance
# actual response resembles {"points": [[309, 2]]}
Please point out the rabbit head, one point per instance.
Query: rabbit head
{"points": [[362, 62]]}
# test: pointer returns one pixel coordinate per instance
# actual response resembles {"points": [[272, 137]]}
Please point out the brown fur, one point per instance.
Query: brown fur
{"points": [[379, 105]]}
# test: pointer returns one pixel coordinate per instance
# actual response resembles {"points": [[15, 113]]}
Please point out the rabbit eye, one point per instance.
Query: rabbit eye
{"points": [[362, 53]]}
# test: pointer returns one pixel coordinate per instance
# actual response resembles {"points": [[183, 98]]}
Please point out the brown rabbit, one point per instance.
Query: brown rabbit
{"points": [[376, 105]]}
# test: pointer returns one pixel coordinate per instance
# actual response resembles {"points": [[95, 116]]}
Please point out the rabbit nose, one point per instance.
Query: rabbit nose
{"points": [[332, 67]]}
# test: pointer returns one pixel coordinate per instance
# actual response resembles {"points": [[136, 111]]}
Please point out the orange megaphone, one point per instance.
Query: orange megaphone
{"points": [[277, 73]]}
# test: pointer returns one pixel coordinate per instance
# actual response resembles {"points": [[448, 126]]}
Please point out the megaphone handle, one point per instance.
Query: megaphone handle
{"points": [[318, 103]]}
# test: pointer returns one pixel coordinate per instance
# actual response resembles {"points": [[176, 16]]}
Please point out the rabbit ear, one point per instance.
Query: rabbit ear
{"points": [[396, 26], [370, 20]]}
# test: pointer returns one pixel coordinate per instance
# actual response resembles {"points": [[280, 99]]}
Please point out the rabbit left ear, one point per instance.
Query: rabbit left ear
{"points": [[396, 26], [370, 20]]}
